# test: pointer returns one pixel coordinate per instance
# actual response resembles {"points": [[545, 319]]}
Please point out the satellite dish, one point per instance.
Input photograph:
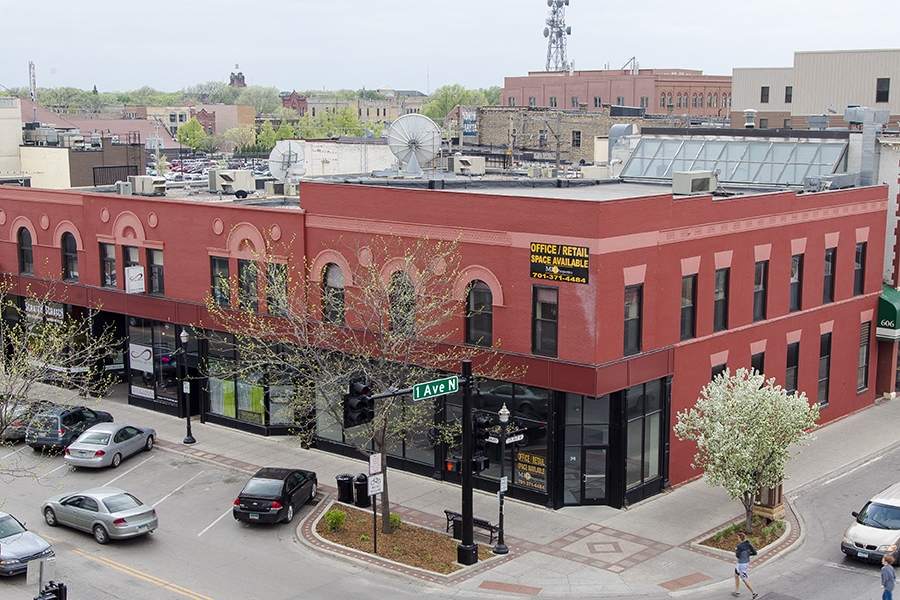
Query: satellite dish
{"points": [[286, 160], [415, 140]]}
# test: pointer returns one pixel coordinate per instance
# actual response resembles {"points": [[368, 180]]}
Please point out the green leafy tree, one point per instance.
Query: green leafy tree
{"points": [[266, 137], [383, 329], [264, 100], [191, 134], [744, 427], [445, 98], [242, 137], [492, 95], [211, 92], [44, 346], [285, 131]]}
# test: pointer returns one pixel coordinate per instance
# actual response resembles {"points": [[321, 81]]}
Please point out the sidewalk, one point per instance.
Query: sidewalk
{"points": [[575, 552]]}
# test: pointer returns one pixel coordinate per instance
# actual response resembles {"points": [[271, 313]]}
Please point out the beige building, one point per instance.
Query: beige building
{"points": [[819, 83]]}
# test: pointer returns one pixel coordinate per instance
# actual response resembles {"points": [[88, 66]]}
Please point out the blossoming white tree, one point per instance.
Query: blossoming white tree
{"points": [[744, 427]]}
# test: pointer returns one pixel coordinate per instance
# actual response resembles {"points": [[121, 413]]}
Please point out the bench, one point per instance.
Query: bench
{"points": [[490, 528]]}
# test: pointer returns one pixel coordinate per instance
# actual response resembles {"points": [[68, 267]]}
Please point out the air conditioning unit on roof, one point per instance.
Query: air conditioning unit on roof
{"points": [[686, 183]]}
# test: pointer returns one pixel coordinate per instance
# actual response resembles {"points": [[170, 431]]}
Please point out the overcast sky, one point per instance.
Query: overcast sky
{"points": [[121, 45]]}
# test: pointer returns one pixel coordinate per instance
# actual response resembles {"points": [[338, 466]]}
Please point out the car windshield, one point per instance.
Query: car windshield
{"points": [[9, 526], [121, 502], [95, 438], [262, 487], [881, 516]]}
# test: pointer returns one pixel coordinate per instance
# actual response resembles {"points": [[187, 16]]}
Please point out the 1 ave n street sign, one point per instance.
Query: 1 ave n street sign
{"points": [[438, 387]]}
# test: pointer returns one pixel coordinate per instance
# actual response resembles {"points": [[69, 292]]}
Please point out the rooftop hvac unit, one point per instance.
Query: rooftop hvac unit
{"points": [[466, 165], [686, 183], [282, 188], [147, 185], [123, 188], [231, 181]]}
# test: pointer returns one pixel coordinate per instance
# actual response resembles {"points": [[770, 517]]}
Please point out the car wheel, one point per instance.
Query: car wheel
{"points": [[116, 460], [50, 517], [312, 492], [290, 514], [100, 534], [149, 445]]}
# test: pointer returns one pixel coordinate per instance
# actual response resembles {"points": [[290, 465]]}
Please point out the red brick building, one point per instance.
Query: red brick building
{"points": [[656, 294]]}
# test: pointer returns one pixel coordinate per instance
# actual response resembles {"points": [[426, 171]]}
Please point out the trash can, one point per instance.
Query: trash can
{"points": [[362, 490], [345, 488], [457, 528]]}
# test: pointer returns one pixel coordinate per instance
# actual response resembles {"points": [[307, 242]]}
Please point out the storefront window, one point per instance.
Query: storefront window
{"points": [[644, 416], [165, 361], [251, 399], [221, 390], [140, 358]]}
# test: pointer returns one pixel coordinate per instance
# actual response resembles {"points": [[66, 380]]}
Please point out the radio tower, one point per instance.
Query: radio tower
{"points": [[556, 32]]}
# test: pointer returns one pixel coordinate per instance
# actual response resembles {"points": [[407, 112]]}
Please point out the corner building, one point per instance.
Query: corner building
{"points": [[653, 295]]}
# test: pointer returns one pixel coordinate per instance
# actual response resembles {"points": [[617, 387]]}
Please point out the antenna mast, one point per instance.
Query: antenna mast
{"points": [[556, 32]]}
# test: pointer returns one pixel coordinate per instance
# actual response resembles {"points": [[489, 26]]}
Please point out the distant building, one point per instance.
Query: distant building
{"points": [[237, 80]]}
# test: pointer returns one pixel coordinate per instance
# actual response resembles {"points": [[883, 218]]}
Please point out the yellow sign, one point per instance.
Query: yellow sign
{"points": [[560, 262]]}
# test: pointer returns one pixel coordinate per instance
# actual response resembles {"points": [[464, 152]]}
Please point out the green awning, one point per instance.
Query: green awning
{"points": [[888, 314]]}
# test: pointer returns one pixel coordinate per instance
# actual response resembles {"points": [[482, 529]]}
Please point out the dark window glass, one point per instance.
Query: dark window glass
{"points": [[576, 139], [882, 89], [26, 252], [760, 279], [788, 94], [758, 362], [764, 94], [479, 315], [545, 321], [764, 123], [830, 262], [688, 306], [793, 361], [644, 432], [796, 282], [248, 284], [718, 370], [108, 260], [130, 256], [276, 288], [333, 294], [862, 371], [859, 270], [155, 265], [69, 257], [633, 295], [824, 368], [720, 302], [221, 293], [553, 101], [403, 304]]}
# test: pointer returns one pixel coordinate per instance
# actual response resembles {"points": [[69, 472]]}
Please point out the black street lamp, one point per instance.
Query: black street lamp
{"points": [[501, 548], [189, 438]]}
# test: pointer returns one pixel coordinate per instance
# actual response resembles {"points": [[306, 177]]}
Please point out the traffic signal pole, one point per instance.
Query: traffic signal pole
{"points": [[467, 550]]}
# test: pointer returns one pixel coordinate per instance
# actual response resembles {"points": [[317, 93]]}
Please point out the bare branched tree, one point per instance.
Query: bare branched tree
{"points": [[388, 319]]}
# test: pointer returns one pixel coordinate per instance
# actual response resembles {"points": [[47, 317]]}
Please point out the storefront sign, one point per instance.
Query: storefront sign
{"points": [[531, 471], [134, 280], [140, 358], [142, 392], [559, 262], [36, 310]]}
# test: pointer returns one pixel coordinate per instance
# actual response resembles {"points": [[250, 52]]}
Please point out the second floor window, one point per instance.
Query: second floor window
{"points": [[333, 295], [130, 256], [545, 321], [688, 306], [793, 362], [248, 285], [221, 293], [633, 295], [402, 304], [26, 253], [764, 94], [276, 288], [108, 258], [862, 366], [576, 139], [760, 278], [720, 300], [796, 282], [553, 101], [859, 270], [830, 262], [758, 362], [155, 266], [479, 315], [788, 94], [824, 368], [69, 257]]}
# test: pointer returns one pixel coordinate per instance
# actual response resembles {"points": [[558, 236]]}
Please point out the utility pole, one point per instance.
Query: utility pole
{"points": [[467, 549]]}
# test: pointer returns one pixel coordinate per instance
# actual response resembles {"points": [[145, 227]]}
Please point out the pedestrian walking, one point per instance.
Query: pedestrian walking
{"points": [[743, 552], [888, 578]]}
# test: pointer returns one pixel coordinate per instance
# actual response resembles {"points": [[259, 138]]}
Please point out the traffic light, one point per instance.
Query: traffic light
{"points": [[480, 463], [359, 408], [53, 591], [452, 464], [481, 426]]}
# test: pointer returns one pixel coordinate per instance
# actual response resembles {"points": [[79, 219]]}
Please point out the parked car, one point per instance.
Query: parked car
{"points": [[273, 494], [18, 546], [59, 426], [106, 444], [876, 530], [107, 512], [16, 416]]}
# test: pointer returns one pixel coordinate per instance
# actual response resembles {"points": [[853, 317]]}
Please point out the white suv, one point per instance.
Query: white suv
{"points": [[876, 531]]}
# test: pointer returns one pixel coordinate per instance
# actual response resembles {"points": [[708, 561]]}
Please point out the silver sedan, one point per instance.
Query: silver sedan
{"points": [[107, 512], [106, 444]]}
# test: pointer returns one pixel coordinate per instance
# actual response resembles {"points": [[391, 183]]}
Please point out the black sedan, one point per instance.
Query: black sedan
{"points": [[273, 494]]}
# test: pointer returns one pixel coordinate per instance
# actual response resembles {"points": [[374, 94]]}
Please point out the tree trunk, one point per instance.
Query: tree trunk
{"points": [[747, 501]]}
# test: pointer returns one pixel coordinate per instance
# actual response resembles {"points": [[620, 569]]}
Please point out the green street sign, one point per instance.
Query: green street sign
{"points": [[438, 387]]}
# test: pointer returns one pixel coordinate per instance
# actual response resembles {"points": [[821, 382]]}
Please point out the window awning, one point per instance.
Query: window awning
{"points": [[888, 314]]}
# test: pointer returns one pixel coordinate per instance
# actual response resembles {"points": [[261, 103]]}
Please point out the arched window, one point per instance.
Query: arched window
{"points": [[333, 294], [678, 100], [709, 100], [26, 255], [715, 100], [479, 315], [662, 100], [69, 257], [403, 304], [694, 100]]}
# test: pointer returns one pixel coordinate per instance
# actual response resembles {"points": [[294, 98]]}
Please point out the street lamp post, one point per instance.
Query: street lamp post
{"points": [[189, 438], [501, 548]]}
